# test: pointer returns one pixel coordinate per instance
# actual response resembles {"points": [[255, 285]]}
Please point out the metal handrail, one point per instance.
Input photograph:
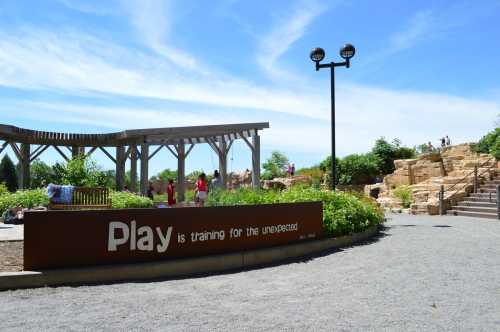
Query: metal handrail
{"points": [[474, 170], [441, 193]]}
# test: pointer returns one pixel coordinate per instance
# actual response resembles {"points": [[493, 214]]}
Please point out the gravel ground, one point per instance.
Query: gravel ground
{"points": [[11, 256], [423, 274]]}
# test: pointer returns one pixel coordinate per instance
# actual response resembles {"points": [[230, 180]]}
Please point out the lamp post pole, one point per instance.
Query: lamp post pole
{"points": [[334, 158], [318, 54]]}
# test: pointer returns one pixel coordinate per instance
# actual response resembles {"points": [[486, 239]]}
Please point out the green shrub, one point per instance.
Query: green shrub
{"points": [[274, 167], [23, 198], [404, 193], [342, 213], [125, 200], [3, 189]]}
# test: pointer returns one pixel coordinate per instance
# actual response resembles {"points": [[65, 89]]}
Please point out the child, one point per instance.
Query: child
{"points": [[201, 190], [171, 193]]}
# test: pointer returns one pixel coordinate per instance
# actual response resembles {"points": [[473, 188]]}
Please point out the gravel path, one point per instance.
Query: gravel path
{"points": [[423, 274]]}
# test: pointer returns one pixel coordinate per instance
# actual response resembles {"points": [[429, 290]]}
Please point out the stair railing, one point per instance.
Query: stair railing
{"points": [[475, 183]]}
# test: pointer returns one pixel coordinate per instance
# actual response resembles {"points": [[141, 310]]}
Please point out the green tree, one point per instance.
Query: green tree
{"points": [[388, 152], [8, 174], [275, 166], [83, 171], [165, 175], [487, 143], [358, 169], [40, 172]]}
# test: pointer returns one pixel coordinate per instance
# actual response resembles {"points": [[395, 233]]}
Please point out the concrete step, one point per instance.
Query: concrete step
{"points": [[478, 203], [481, 199], [475, 208], [483, 195], [481, 215], [487, 190]]}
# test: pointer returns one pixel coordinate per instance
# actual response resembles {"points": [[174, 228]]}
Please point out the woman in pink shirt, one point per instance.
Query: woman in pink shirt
{"points": [[201, 190]]}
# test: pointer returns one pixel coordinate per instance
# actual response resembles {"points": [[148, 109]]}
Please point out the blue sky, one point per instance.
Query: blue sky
{"points": [[423, 69]]}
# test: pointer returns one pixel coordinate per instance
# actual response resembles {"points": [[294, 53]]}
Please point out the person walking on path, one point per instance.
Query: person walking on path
{"points": [[171, 201], [201, 190]]}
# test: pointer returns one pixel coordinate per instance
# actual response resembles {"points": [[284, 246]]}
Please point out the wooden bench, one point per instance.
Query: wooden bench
{"points": [[85, 198]]}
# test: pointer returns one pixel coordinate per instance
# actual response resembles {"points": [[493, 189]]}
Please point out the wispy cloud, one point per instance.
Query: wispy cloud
{"points": [[80, 63], [285, 33], [418, 27], [153, 20]]}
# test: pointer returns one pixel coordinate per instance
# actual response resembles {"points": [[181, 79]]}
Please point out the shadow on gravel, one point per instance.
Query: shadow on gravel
{"points": [[442, 226], [402, 226]]}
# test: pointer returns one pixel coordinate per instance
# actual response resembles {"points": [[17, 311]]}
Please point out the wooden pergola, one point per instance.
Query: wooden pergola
{"points": [[135, 145]]}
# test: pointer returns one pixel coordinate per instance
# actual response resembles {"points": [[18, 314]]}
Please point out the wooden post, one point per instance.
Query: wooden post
{"points": [[256, 161], [120, 167], [75, 151], [144, 168], [24, 177], [223, 161], [133, 168], [181, 172], [475, 179], [441, 200]]}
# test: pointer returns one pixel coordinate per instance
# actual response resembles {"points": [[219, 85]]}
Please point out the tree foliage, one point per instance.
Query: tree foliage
{"points": [[165, 175], [40, 172], [388, 152], [274, 167], [490, 143], [8, 174]]}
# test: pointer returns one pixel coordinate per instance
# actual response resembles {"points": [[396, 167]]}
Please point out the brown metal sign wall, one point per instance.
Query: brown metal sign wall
{"points": [[56, 239]]}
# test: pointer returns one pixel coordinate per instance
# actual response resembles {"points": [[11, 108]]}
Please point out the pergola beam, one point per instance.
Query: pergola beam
{"points": [[34, 155], [61, 153]]}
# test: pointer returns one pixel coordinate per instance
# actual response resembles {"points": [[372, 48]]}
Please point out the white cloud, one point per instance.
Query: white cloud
{"points": [[153, 21], [284, 34], [76, 63], [419, 26]]}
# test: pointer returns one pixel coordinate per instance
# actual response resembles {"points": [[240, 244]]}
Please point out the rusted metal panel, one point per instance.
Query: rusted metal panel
{"points": [[57, 239]]}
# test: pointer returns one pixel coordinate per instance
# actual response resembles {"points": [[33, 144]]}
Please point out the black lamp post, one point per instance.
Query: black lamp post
{"points": [[317, 55]]}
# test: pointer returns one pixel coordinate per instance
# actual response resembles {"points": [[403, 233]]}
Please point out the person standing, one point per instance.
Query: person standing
{"points": [[150, 193], [430, 148], [448, 141], [201, 190], [216, 181], [293, 170], [171, 201], [443, 142]]}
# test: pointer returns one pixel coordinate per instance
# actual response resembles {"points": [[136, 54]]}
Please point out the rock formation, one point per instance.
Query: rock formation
{"points": [[453, 168]]}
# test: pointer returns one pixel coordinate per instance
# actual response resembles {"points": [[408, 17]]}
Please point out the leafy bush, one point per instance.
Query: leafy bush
{"points": [[124, 200], [342, 213], [23, 198], [358, 169], [3, 189], [405, 194], [274, 167]]}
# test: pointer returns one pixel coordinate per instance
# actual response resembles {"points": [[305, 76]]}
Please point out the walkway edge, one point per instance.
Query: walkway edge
{"points": [[176, 268]]}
